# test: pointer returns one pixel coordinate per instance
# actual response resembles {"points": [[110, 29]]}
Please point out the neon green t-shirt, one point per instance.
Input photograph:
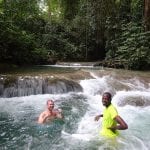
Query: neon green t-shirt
{"points": [[108, 120]]}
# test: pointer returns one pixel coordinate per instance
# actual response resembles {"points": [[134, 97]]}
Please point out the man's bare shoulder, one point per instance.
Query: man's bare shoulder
{"points": [[44, 113]]}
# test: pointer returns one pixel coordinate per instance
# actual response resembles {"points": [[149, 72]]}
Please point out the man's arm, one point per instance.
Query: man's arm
{"points": [[59, 114], [42, 118], [121, 124]]}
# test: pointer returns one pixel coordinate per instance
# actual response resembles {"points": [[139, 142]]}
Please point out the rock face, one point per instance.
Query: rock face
{"points": [[24, 86], [135, 101]]}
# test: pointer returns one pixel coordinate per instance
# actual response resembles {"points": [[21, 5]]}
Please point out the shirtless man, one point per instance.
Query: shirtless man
{"points": [[49, 114]]}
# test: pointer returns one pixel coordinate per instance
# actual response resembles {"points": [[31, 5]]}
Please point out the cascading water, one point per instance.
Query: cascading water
{"points": [[24, 86], [78, 131]]}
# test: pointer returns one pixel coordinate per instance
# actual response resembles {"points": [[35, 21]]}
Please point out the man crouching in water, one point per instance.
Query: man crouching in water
{"points": [[49, 114]]}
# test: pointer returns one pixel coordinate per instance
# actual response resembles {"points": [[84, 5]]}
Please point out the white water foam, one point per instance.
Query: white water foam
{"points": [[131, 114], [137, 117]]}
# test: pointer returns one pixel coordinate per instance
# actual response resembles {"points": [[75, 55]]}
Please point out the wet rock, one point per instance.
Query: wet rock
{"points": [[24, 86], [135, 101]]}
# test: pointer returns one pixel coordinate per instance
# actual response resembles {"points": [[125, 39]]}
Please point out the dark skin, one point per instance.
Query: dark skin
{"points": [[121, 124]]}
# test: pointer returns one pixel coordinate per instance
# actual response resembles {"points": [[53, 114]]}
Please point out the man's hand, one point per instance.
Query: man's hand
{"points": [[97, 117], [59, 114]]}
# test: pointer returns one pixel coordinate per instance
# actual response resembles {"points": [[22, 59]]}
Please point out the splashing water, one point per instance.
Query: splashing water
{"points": [[78, 130]]}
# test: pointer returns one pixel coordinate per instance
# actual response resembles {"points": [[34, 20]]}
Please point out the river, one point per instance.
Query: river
{"points": [[78, 131]]}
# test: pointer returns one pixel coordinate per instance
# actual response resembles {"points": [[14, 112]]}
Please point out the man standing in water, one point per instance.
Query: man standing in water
{"points": [[49, 114], [112, 122]]}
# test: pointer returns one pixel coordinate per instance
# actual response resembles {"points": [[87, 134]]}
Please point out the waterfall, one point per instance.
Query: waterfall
{"points": [[25, 86], [78, 130]]}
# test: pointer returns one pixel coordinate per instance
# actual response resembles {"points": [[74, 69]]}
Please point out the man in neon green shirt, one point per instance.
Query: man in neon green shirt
{"points": [[112, 122]]}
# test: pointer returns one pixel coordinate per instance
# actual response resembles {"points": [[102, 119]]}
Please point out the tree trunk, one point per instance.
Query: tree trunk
{"points": [[147, 14]]}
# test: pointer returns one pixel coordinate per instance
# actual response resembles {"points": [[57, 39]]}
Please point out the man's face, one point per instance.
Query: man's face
{"points": [[106, 100], [50, 105]]}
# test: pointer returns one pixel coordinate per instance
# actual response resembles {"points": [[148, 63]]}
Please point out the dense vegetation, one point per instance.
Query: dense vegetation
{"points": [[42, 31]]}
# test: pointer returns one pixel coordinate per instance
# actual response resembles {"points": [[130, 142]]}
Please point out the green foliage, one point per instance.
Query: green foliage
{"points": [[70, 8], [18, 47], [51, 9], [62, 41], [137, 9], [82, 30], [20, 31], [132, 45], [126, 39]]}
